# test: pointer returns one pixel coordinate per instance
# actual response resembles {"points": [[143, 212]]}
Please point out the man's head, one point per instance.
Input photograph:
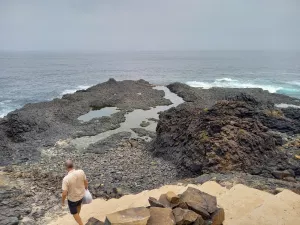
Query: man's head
{"points": [[69, 165]]}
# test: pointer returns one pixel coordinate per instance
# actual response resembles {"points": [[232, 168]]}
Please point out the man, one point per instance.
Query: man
{"points": [[74, 185]]}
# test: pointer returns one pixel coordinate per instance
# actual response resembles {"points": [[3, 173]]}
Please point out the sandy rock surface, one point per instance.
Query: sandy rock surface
{"points": [[243, 205]]}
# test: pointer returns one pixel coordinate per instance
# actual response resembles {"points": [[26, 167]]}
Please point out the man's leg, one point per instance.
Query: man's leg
{"points": [[74, 211], [78, 219], [78, 209]]}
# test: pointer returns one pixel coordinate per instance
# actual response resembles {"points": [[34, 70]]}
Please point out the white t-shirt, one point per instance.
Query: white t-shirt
{"points": [[73, 183]]}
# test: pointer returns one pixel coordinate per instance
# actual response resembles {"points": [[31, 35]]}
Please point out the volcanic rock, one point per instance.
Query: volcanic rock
{"points": [[232, 135]]}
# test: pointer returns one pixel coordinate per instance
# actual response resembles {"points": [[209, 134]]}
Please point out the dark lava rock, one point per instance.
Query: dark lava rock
{"points": [[232, 135], [144, 124], [10, 221], [141, 132], [94, 221], [108, 143], [39, 125]]}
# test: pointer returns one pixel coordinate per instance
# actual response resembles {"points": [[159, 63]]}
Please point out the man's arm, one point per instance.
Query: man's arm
{"points": [[63, 197], [86, 184], [65, 192]]}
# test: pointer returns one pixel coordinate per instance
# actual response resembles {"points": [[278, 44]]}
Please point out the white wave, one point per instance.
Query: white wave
{"points": [[71, 91], [284, 105], [230, 83], [295, 83], [226, 79]]}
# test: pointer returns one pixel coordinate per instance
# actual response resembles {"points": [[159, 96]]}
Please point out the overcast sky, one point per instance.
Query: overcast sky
{"points": [[103, 25]]}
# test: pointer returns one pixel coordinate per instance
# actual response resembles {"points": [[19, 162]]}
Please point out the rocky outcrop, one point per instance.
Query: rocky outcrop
{"points": [[232, 135], [40, 125]]}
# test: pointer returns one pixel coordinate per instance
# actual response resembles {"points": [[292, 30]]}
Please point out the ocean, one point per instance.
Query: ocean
{"points": [[27, 77]]}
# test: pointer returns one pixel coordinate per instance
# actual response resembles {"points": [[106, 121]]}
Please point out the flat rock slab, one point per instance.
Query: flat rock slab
{"points": [[203, 200], [161, 216], [94, 221], [133, 216]]}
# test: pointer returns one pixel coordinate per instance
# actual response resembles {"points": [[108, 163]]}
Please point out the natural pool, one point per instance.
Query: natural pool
{"points": [[133, 119], [107, 111]]}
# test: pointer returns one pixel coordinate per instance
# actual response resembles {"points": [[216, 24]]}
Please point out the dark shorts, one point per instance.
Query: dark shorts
{"points": [[73, 206]]}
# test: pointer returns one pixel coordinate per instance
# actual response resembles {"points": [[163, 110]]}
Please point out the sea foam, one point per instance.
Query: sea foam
{"points": [[71, 91], [231, 83]]}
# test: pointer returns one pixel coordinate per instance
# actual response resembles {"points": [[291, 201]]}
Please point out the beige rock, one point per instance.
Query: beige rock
{"points": [[172, 197], [218, 217], [184, 216], [133, 216], [208, 202], [197, 208], [155, 203], [161, 216], [199, 221]]}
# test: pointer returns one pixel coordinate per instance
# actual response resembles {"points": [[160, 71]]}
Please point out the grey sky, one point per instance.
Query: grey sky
{"points": [[101, 25]]}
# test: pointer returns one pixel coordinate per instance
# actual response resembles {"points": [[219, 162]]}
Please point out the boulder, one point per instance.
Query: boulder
{"points": [[10, 221], [133, 216], [184, 216], [27, 221], [200, 221], [282, 174], [94, 221], [161, 216], [197, 208], [144, 124], [182, 205], [218, 217], [203, 200], [172, 197], [164, 200], [155, 203], [232, 135]]}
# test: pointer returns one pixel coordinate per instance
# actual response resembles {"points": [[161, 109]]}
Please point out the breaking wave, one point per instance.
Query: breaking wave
{"points": [[231, 83], [71, 91]]}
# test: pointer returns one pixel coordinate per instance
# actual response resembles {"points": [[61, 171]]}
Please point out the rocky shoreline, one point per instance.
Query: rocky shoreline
{"points": [[35, 140]]}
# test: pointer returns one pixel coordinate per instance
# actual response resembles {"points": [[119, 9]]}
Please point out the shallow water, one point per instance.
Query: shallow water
{"points": [[133, 120], [107, 111]]}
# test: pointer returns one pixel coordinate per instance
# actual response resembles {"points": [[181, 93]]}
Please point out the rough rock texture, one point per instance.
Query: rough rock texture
{"points": [[168, 214], [93, 221], [38, 125], [141, 132], [208, 97], [108, 143], [133, 216], [184, 216], [232, 135], [159, 216], [121, 170]]}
